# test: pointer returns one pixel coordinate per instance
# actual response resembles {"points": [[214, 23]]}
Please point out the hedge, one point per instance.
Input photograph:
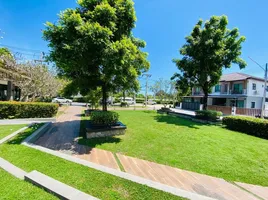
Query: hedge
{"points": [[249, 125], [210, 115], [139, 100], [106, 118], [18, 110]]}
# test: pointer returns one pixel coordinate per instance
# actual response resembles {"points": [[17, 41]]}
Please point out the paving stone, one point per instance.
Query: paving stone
{"points": [[190, 181], [61, 136], [258, 190]]}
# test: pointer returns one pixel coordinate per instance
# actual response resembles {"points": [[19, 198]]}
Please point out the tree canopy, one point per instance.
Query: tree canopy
{"points": [[93, 46], [209, 49]]}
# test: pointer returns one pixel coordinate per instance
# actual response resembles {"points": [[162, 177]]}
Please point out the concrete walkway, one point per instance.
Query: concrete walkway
{"points": [[62, 135]]}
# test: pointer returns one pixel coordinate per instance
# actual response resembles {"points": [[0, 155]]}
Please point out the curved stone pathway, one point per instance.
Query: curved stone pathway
{"points": [[62, 137]]}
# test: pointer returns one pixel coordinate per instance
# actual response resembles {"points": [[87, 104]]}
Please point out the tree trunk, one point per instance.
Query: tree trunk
{"points": [[124, 95], [205, 106], [104, 98]]}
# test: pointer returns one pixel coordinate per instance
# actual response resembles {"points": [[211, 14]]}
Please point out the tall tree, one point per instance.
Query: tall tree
{"points": [[93, 45], [209, 49]]}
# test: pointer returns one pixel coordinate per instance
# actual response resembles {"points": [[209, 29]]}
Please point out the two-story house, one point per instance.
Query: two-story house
{"points": [[235, 89]]}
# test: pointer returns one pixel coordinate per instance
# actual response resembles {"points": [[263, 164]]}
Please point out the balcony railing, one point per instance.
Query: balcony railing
{"points": [[244, 91], [197, 93]]}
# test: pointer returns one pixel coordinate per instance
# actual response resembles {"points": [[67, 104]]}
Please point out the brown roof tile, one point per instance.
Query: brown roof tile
{"points": [[238, 77]]}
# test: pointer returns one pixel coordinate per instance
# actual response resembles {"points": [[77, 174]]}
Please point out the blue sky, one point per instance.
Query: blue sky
{"points": [[162, 24]]}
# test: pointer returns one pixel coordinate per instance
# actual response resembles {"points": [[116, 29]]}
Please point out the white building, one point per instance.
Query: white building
{"points": [[235, 90]]}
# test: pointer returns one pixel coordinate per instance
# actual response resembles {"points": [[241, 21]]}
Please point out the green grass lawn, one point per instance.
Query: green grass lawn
{"points": [[93, 182], [181, 143], [13, 188], [5, 130]]}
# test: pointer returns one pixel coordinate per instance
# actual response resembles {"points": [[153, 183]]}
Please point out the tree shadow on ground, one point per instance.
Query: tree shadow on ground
{"points": [[95, 141], [168, 119], [18, 139]]}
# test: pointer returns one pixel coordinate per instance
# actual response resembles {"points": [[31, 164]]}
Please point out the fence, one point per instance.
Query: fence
{"points": [[226, 110], [190, 106], [248, 111]]}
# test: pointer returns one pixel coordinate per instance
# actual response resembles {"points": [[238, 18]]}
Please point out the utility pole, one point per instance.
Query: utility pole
{"points": [[264, 93], [146, 92], [265, 86]]}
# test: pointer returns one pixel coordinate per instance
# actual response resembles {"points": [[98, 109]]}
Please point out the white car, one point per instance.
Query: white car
{"points": [[129, 100], [151, 102], [61, 100]]}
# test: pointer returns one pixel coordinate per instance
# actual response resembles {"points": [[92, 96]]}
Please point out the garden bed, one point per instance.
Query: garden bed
{"points": [[104, 131]]}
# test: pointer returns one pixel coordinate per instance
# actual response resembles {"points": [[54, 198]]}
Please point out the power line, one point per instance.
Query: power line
{"points": [[21, 49], [265, 86]]}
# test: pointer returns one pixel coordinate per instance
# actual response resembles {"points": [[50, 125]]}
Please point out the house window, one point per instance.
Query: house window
{"points": [[252, 104], [217, 88], [240, 103], [226, 88], [253, 86], [238, 89], [197, 91]]}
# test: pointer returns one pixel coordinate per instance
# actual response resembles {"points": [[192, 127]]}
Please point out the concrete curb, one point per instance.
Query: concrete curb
{"points": [[12, 169], [37, 133], [13, 135], [130, 177], [49, 184], [55, 187], [26, 121]]}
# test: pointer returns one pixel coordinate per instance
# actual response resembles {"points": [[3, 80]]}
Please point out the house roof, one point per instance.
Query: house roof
{"points": [[238, 77]]}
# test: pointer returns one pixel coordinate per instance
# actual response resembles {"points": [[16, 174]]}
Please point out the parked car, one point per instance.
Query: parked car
{"points": [[128, 100], [61, 100], [151, 102]]}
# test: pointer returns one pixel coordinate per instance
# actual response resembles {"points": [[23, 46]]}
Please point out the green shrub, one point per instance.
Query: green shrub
{"points": [[104, 118], [124, 104], [249, 125], [43, 99], [139, 100], [210, 115], [116, 100], [18, 110]]}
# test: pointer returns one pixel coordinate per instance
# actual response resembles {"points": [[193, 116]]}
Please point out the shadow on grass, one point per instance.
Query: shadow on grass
{"points": [[178, 121], [23, 135], [98, 141], [95, 141]]}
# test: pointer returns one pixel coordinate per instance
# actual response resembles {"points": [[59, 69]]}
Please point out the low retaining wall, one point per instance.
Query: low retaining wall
{"points": [[107, 133], [93, 132], [38, 133]]}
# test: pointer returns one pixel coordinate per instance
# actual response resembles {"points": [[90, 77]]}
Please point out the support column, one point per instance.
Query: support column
{"points": [[10, 91]]}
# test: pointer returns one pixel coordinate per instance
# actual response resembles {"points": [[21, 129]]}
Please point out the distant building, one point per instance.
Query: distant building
{"points": [[235, 90], [8, 91]]}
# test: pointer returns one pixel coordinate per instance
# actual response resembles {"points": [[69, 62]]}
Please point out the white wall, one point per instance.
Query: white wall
{"points": [[209, 101], [259, 88], [257, 100]]}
